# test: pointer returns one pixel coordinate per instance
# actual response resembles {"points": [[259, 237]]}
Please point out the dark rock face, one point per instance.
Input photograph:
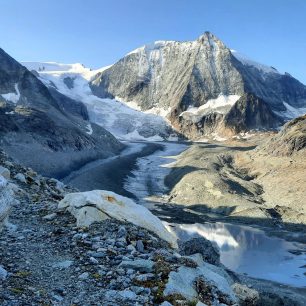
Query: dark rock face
{"points": [[44, 129], [291, 139], [177, 75], [209, 252], [249, 113]]}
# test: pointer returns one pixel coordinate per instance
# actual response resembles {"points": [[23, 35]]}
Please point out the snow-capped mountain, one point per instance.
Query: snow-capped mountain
{"points": [[197, 88], [124, 120], [198, 82], [44, 129]]}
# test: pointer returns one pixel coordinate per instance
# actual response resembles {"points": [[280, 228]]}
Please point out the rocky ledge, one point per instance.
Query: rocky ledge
{"points": [[46, 258]]}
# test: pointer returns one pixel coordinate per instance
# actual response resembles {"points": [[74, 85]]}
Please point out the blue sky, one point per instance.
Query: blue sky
{"points": [[98, 32]]}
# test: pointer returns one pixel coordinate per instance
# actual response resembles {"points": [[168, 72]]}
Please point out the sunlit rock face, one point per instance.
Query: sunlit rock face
{"points": [[181, 76]]}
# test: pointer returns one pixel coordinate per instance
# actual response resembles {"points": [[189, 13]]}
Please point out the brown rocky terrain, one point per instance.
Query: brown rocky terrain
{"points": [[243, 180]]}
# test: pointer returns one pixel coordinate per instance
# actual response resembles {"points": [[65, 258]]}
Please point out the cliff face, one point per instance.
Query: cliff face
{"points": [[178, 76], [43, 129], [172, 74]]}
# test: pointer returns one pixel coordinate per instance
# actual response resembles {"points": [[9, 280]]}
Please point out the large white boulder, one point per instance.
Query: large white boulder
{"points": [[97, 205]]}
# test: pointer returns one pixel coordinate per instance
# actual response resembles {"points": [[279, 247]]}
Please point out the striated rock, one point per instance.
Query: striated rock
{"points": [[98, 205]]}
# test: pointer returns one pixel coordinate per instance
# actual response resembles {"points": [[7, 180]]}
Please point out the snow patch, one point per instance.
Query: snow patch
{"points": [[12, 96], [221, 104], [89, 129], [249, 62], [292, 112]]}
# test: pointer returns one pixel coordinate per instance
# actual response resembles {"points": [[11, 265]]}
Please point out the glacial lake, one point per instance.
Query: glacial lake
{"points": [[250, 251], [243, 249]]}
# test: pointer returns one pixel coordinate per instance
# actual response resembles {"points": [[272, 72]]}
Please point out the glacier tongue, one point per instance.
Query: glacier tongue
{"points": [[123, 120]]}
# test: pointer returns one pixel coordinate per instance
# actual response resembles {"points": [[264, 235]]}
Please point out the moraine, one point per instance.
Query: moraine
{"points": [[244, 249]]}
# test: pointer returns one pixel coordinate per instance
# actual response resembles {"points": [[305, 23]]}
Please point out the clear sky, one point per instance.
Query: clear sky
{"points": [[99, 32]]}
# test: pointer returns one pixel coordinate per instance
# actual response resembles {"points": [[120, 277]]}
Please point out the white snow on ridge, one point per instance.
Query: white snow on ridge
{"points": [[249, 62], [124, 120], [292, 112], [89, 129], [12, 96], [220, 104]]}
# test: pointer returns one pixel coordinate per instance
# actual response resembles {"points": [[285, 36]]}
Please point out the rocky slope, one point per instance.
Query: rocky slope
{"points": [[119, 118], [44, 129], [290, 140], [237, 182], [110, 262], [202, 77]]}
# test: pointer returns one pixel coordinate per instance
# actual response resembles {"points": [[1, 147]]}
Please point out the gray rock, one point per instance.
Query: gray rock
{"points": [[20, 177], [139, 246], [84, 276], [122, 231], [246, 295], [50, 217], [3, 273], [209, 252], [63, 264], [141, 265], [5, 172]]}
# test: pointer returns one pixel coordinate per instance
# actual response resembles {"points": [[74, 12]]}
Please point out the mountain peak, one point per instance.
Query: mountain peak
{"points": [[210, 38]]}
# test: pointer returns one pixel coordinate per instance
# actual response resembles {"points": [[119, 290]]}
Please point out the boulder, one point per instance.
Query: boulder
{"points": [[5, 172], [6, 200], [206, 283], [206, 248], [3, 273], [98, 205], [20, 177], [246, 295]]}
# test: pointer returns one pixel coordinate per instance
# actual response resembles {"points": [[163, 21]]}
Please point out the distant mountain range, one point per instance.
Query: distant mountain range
{"points": [[53, 114]]}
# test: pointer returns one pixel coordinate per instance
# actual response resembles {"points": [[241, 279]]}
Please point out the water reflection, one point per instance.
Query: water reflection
{"points": [[248, 250]]}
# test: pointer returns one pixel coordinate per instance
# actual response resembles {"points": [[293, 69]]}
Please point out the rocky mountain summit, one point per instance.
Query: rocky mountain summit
{"points": [[47, 258], [43, 128], [204, 79]]}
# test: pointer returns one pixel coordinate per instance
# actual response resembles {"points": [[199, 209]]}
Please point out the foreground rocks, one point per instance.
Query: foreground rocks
{"points": [[98, 205], [47, 259]]}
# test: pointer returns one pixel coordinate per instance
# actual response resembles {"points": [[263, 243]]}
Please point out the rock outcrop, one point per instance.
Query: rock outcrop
{"points": [[43, 129], [290, 140]]}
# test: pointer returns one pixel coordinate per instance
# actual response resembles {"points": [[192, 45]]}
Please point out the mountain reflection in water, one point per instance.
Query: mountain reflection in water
{"points": [[248, 250]]}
